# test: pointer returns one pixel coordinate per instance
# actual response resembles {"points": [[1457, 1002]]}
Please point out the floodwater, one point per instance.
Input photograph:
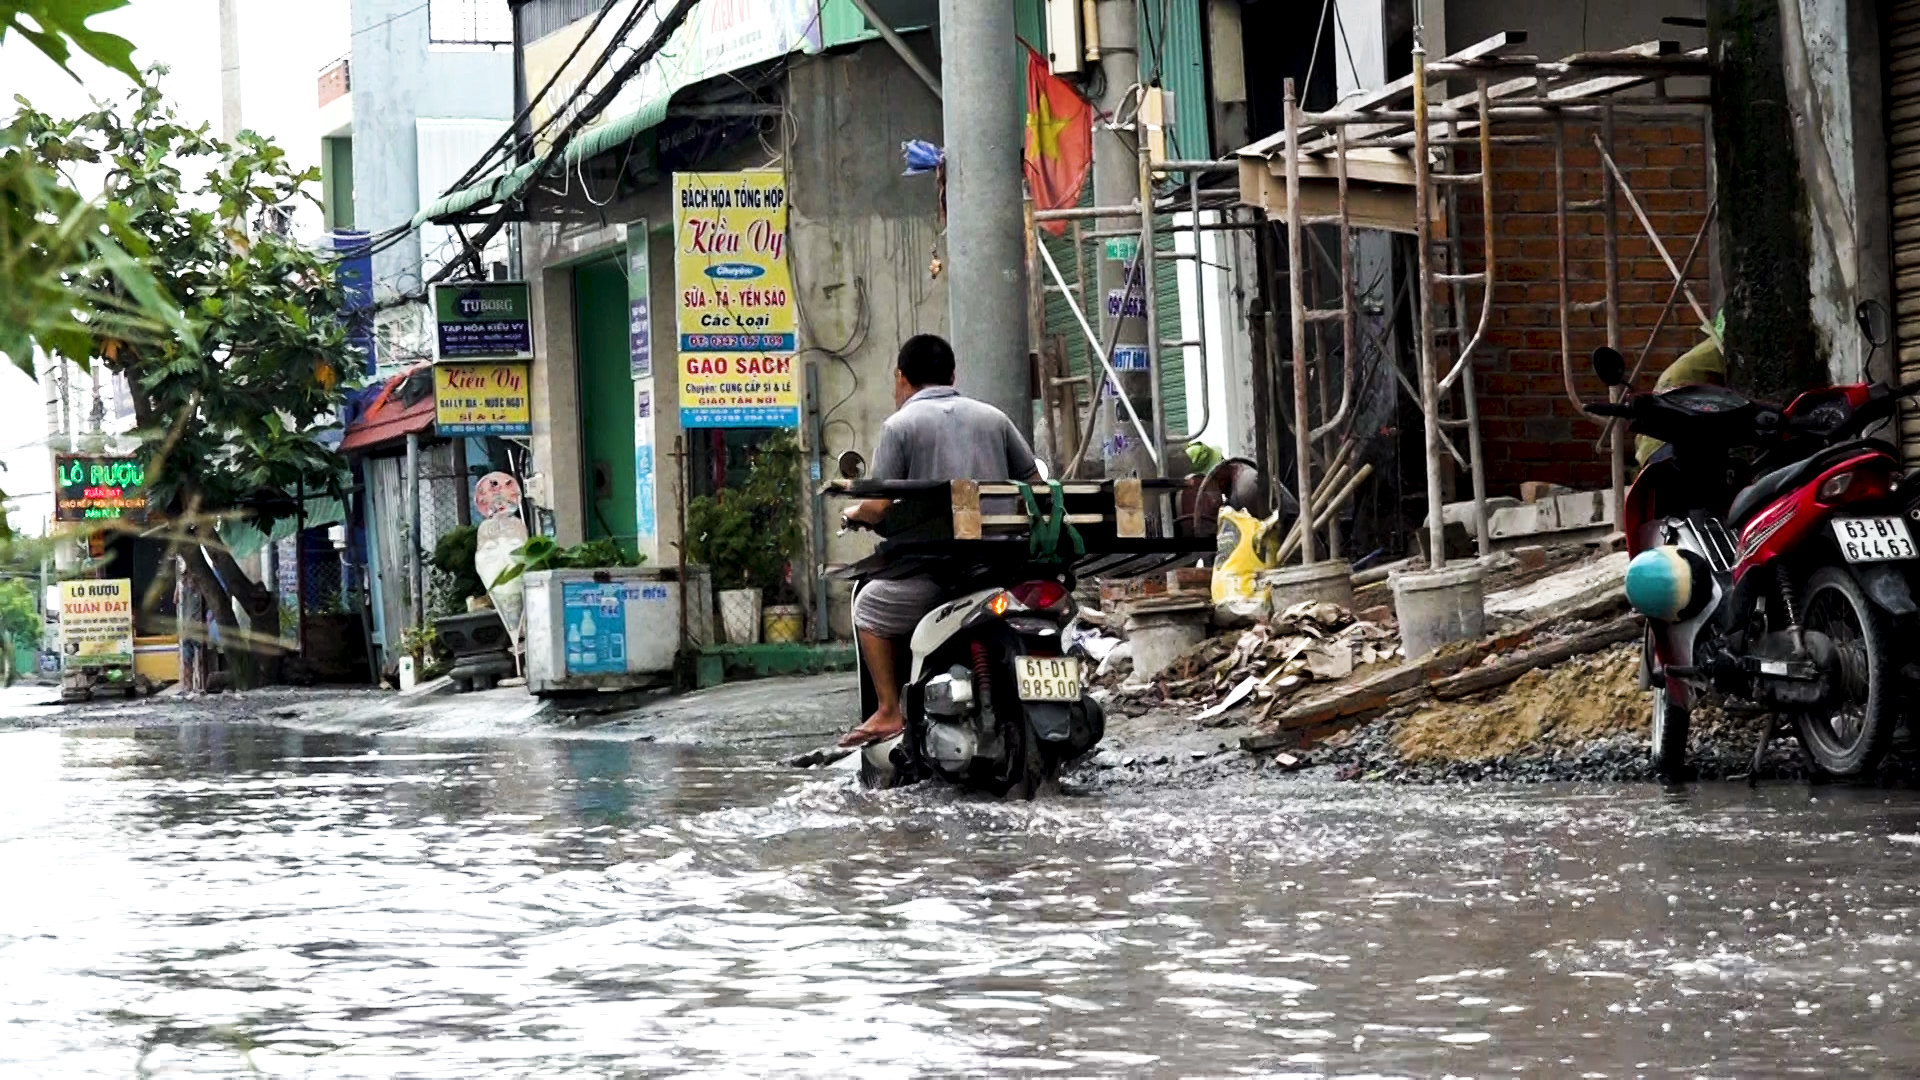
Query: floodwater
{"points": [[227, 899]]}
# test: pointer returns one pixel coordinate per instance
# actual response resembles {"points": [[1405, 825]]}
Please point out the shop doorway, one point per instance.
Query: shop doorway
{"points": [[606, 402]]}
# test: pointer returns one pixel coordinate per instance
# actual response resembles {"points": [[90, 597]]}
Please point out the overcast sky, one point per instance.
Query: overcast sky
{"points": [[284, 44]]}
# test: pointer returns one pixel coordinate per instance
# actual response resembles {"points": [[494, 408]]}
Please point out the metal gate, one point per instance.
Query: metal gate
{"points": [[1903, 162]]}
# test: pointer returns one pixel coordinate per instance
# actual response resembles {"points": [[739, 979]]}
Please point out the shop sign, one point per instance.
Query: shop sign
{"points": [[482, 399], [482, 320], [718, 390], [99, 489], [639, 302], [96, 624], [645, 487], [730, 262], [1126, 304]]}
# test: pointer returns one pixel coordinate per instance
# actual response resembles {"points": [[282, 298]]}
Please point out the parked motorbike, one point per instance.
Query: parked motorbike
{"points": [[996, 696], [1770, 556]]}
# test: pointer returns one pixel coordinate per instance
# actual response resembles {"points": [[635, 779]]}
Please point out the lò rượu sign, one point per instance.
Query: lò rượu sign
{"points": [[99, 488]]}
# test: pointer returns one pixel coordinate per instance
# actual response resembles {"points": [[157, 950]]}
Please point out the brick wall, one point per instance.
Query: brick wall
{"points": [[1530, 430]]}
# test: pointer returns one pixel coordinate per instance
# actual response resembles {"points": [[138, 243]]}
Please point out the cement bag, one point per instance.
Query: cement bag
{"points": [[1238, 595]]}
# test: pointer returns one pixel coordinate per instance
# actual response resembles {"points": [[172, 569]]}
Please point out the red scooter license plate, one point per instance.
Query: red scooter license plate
{"points": [[1873, 539]]}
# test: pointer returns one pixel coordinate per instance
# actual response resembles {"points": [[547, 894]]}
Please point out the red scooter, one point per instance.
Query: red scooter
{"points": [[1771, 549]]}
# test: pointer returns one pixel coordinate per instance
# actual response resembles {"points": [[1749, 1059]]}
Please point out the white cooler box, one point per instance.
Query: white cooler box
{"points": [[611, 629]]}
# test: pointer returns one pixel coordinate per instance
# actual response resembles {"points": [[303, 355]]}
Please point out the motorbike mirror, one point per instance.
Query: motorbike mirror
{"points": [[852, 465], [1610, 366], [1873, 319]]}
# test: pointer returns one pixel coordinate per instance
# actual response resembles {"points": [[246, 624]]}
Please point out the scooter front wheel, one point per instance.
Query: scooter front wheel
{"points": [[1670, 726], [1848, 736]]}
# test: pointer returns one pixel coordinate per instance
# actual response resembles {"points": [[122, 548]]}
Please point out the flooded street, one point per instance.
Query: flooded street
{"points": [[219, 898]]}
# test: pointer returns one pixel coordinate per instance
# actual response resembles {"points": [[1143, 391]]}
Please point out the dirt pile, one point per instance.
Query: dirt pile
{"points": [[1587, 698]]}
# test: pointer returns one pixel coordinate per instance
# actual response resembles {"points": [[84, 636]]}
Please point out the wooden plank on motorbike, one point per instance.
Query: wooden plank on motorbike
{"points": [[966, 509], [1129, 509]]}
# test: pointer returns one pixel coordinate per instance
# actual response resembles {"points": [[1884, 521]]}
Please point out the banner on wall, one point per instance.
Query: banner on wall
{"points": [[721, 390], [730, 262], [738, 329], [96, 624], [639, 302], [646, 520], [482, 399]]}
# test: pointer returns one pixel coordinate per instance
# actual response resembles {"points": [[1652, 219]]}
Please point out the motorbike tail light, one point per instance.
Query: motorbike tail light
{"points": [[1833, 488], [1002, 602], [1041, 595]]}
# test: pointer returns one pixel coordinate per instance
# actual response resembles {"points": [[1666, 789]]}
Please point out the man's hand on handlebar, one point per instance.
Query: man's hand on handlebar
{"points": [[865, 515]]}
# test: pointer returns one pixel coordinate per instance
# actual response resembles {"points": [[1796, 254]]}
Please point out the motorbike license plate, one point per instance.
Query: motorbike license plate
{"points": [[1048, 678], [1874, 539]]}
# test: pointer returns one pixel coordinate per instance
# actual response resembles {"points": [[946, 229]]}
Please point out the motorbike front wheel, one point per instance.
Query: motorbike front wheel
{"points": [[1670, 724], [1851, 734]]}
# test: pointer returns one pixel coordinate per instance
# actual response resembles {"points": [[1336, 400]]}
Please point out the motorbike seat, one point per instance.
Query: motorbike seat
{"points": [[1770, 486]]}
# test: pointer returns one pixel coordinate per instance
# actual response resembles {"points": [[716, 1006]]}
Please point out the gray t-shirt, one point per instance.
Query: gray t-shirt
{"points": [[940, 435]]}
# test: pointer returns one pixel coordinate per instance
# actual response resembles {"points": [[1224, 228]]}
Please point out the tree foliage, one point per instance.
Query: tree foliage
{"points": [[226, 414], [53, 238]]}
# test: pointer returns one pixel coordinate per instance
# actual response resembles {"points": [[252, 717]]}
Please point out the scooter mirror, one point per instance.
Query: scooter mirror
{"points": [[1610, 366], [1873, 319], [852, 465]]}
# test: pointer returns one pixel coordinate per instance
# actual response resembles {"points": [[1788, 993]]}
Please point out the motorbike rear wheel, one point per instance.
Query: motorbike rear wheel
{"points": [[1849, 737], [1670, 725]]}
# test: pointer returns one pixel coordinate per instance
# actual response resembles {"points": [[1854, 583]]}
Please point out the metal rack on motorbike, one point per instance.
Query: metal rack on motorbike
{"points": [[1393, 160]]}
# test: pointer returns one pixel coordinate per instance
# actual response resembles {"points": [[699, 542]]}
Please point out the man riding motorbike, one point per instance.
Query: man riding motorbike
{"points": [[936, 434]]}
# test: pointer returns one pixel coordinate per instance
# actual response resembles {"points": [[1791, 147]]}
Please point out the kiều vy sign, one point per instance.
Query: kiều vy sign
{"points": [[482, 320], [99, 488]]}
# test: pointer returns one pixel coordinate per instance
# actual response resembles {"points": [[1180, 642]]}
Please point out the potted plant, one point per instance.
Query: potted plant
{"points": [[749, 536]]}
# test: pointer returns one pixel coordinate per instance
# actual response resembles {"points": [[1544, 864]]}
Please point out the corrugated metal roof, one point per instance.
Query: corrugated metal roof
{"points": [[398, 412]]}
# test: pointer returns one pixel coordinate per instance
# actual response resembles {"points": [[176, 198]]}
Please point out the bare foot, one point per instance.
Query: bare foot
{"points": [[884, 724]]}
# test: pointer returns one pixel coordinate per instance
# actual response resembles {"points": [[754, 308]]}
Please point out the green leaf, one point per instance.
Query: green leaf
{"points": [[60, 21]]}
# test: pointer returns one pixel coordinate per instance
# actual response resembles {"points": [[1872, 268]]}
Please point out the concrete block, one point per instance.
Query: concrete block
{"points": [[1531, 557], [1578, 511]]}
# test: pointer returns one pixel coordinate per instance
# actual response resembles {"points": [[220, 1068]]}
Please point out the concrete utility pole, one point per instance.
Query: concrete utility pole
{"points": [[229, 69], [1116, 182], [984, 113]]}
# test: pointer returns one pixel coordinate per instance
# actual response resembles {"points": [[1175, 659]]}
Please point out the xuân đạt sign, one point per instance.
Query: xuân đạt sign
{"points": [[96, 624], [482, 399], [98, 488], [482, 320]]}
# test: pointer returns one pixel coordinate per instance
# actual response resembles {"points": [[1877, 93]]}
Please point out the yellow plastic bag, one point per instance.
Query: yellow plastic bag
{"points": [[1237, 564]]}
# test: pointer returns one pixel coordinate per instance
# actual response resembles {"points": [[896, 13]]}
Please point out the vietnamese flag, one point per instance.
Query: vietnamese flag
{"points": [[1059, 150]]}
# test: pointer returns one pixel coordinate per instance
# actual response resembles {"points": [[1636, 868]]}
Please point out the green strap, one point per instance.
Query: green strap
{"points": [[1043, 542]]}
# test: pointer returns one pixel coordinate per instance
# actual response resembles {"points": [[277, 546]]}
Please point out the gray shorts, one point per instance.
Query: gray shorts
{"points": [[893, 608]]}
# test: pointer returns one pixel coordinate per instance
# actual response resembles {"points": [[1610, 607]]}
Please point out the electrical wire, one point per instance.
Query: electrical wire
{"points": [[664, 29]]}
